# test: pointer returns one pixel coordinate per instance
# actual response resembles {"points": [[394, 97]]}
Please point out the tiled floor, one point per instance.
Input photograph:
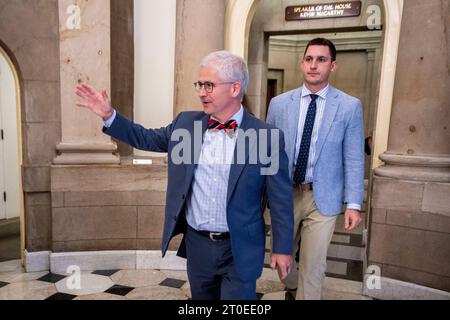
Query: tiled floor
{"points": [[136, 285], [344, 276], [343, 282]]}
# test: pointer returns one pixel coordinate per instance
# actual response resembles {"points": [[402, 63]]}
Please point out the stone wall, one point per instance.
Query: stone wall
{"points": [[110, 208], [410, 231], [29, 32], [410, 223], [107, 207], [200, 30]]}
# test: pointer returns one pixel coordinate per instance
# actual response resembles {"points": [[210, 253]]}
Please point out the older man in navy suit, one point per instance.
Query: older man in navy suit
{"points": [[227, 160], [324, 135]]}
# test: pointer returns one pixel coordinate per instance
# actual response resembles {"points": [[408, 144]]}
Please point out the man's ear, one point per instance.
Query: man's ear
{"points": [[236, 90], [333, 66]]}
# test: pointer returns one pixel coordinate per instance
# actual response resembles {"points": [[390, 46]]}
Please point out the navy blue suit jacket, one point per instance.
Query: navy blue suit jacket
{"points": [[246, 187]]}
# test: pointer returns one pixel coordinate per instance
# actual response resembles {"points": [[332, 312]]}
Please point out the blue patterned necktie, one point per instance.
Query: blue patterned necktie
{"points": [[303, 155]]}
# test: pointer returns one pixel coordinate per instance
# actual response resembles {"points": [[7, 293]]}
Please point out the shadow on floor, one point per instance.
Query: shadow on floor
{"points": [[9, 239]]}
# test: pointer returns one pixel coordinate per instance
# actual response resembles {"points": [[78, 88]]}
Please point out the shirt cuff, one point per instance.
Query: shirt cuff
{"points": [[354, 206], [110, 121]]}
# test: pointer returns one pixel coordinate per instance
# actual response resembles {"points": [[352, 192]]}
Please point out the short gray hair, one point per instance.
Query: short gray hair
{"points": [[230, 68]]}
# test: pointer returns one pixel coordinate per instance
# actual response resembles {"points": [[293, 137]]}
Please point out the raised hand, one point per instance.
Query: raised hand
{"points": [[98, 102]]}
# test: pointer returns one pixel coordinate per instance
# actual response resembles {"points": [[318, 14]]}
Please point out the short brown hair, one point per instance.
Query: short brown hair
{"points": [[323, 42]]}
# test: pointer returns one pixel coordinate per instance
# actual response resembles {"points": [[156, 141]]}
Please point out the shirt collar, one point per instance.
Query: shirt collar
{"points": [[322, 93], [237, 116]]}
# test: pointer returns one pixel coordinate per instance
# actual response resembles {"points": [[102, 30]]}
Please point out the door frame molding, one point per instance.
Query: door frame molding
{"points": [[15, 74], [236, 41]]}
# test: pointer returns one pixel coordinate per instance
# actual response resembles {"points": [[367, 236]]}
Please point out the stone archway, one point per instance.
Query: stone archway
{"points": [[12, 209], [239, 15], [30, 36], [238, 19]]}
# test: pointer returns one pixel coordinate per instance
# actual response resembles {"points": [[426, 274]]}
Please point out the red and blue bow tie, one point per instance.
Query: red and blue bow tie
{"points": [[216, 125]]}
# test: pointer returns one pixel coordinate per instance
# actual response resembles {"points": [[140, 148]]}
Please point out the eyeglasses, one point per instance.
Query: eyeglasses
{"points": [[208, 86]]}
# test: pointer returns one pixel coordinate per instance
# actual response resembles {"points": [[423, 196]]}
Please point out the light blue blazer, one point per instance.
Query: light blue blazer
{"points": [[339, 162]]}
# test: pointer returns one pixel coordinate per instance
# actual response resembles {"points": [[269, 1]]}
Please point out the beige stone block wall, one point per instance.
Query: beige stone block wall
{"points": [[289, 62], [420, 110], [108, 207], [408, 238], [29, 33], [410, 224], [38, 220], [199, 31]]}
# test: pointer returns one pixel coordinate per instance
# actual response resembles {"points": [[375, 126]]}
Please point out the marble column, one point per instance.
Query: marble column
{"points": [[200, 31], [410, 222], [85, 56]]}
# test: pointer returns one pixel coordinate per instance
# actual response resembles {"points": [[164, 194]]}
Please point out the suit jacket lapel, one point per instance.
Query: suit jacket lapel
{"points": [[331, 108], [292, 119], [196, 148], [236, 168]]}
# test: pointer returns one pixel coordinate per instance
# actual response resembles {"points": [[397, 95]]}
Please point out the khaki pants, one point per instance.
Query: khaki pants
{"points": [[315, 231]]}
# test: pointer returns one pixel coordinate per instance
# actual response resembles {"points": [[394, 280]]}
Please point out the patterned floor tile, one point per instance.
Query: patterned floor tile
{"points": [[85, 284], [157, 293], [107, 273], [138, 278], [186, 289], [104, 296], [176, 274], [61, 296], [28, 290], [265, 286], [160, 285], [51, 278], [274, 296], [21, 277], [172, 283], [119, 290]]}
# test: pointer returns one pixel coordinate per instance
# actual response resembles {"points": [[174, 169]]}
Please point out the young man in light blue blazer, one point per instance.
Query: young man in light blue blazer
{"points": [[324, 141]]}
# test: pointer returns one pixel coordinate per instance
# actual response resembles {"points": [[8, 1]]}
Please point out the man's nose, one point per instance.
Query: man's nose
{"points": [[202, 92], [314, 64]]}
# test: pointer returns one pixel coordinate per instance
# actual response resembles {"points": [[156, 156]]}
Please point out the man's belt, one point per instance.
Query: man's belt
{"points": [[215, 236]]}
